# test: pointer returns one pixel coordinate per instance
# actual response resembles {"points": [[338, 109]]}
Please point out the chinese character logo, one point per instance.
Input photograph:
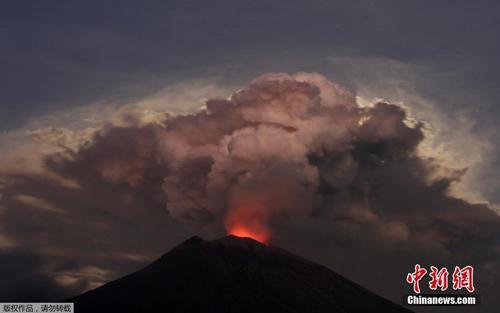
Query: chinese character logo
{"points": [[438, 278], [415, 277], [463, 278]]}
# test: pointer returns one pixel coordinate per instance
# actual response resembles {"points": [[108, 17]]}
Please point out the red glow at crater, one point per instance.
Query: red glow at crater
{"points": [[248, 216], [243, 231]]}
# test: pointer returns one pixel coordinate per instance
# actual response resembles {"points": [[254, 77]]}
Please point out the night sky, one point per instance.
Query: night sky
{"points": [[113, 114]]}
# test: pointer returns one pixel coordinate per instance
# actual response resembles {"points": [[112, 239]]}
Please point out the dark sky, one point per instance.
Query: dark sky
{"points": [[67, 54], [70, 53], [439, 57]]}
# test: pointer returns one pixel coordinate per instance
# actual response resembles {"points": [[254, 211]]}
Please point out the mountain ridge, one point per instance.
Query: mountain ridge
{"points": [[232, 274]]}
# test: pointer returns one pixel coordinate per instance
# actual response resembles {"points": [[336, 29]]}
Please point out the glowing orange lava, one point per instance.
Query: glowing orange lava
{"points": [[243, 231], [248, 216]]}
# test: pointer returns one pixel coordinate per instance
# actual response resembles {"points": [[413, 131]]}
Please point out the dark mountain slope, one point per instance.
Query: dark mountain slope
{"points": [[232, 274]]}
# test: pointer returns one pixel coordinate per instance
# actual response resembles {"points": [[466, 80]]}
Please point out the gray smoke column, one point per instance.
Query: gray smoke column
{"points": [[279, 147]]}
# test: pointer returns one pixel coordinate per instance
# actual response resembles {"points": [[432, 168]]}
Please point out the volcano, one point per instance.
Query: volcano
{"points": [[232, 274]]}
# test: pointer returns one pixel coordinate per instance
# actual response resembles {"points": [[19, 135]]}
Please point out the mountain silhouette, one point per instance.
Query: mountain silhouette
{"points": [[232, 274]]}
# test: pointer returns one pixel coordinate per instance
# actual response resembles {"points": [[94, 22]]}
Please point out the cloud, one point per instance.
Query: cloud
{"points": [[292, 159], [451, 114], [23, 278]]}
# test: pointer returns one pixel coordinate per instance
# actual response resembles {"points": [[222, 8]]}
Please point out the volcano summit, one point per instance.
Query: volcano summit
{"points": [[232, 274]]}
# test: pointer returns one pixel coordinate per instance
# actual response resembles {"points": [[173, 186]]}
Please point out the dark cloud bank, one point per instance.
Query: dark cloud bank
{"points": [[292, 158]]}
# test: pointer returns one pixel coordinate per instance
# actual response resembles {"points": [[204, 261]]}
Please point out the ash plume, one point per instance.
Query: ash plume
{"points": [[284, 147], [289, 159]]}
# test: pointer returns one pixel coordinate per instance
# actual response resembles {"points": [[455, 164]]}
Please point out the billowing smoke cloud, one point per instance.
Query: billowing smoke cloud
{"points": [[290, 159], [286, 147], [246, 160], [280, 147]]}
